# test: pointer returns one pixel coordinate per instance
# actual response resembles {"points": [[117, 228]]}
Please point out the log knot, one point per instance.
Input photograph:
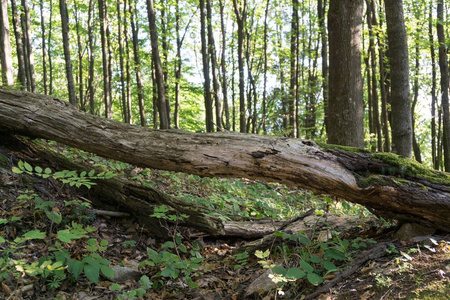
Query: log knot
{"points": [[261, 154]]}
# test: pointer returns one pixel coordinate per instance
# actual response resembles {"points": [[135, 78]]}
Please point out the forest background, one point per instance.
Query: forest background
{"points": [[249, 66]]}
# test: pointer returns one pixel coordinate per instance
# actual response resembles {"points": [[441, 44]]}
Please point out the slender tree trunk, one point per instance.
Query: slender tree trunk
{"points": [[212, 56], [49, 43], [205, 60], [178, 65], [137, 62], [91, 90], [443, 65], [121, 65], [241, 16], [44, 49], [398, 59], [293, 87], [345, 107], [127, 64], [79, 76], [162, 108], [433, 89], [165, 57], [383, 92], [19, 45], [416, 146], [224, 68], [264, 100], [5, 48], [106, 84], [321, 9], [66, 45], [233, 90], [28, 49]]}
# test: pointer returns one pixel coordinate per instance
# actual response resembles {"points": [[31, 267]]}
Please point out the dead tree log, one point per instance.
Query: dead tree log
{"points": [[392, 186]]}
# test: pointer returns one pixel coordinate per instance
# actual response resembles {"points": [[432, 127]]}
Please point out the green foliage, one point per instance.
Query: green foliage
{"points": [[65, 176], [241, 259]]}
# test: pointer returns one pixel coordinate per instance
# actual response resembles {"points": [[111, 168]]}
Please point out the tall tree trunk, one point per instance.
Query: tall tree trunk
{"points": [[127, 64], [106, 84], [162, 109], [212, 56], [345, 107], [205, 61], [321, 9], [178, 65], [137, 62], [79, 76], [401, 124], [383, 92], [224, 67], [66, 46], [264, 99], [28, 49], [49, 43], [91, 90], [293, 87], [241, 16], [19, 45], [165, 57], [443, 65], [5, 48], [433, 89], [416, 146], [121, 65], [44, 49]]}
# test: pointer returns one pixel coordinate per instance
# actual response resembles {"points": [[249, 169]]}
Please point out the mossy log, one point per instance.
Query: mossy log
{"points": [[391, 186]]}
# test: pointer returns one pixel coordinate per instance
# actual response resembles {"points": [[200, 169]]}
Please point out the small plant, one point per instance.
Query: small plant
{"points": [[241, 259]]}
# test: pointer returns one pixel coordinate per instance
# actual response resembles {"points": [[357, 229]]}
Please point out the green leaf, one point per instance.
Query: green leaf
{"points": [[34, 234], [329, 266], [333, 253], [115, 287], [54, 216], [91, 173], [145, 282], [28, 167], [2, 240], [314, 279], [306, 266], [90, 261], [295, 273], [17, 170], [68, 235], [83, 173], [280, 270], [38, 169], [92, 273], [107, 271], [260, 254], [48, 171], [316, 259], [168, 245], [76, 267]]}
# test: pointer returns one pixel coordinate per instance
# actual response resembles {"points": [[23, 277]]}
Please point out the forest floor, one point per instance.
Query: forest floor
{"points": [[54, 246]]}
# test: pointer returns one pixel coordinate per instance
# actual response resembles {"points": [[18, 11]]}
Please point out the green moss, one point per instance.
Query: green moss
{"points": [[398, 166], [327, 147], [405, 167]]}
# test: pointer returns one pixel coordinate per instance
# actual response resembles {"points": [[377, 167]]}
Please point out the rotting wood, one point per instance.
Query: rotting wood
{"points": [[399, 194]]}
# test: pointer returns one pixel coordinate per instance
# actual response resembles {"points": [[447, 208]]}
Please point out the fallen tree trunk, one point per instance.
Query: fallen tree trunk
{"points": [[391, 186]]}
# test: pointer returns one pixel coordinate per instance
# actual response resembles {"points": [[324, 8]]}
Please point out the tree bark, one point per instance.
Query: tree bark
{"points": [[137, 63], [401, 123], [443, 66], [162, 109], [205, 61], [66, 44], [241, 16], [392, 186], [19, 46], [5, 49], [103, 14], [345, 104]]}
